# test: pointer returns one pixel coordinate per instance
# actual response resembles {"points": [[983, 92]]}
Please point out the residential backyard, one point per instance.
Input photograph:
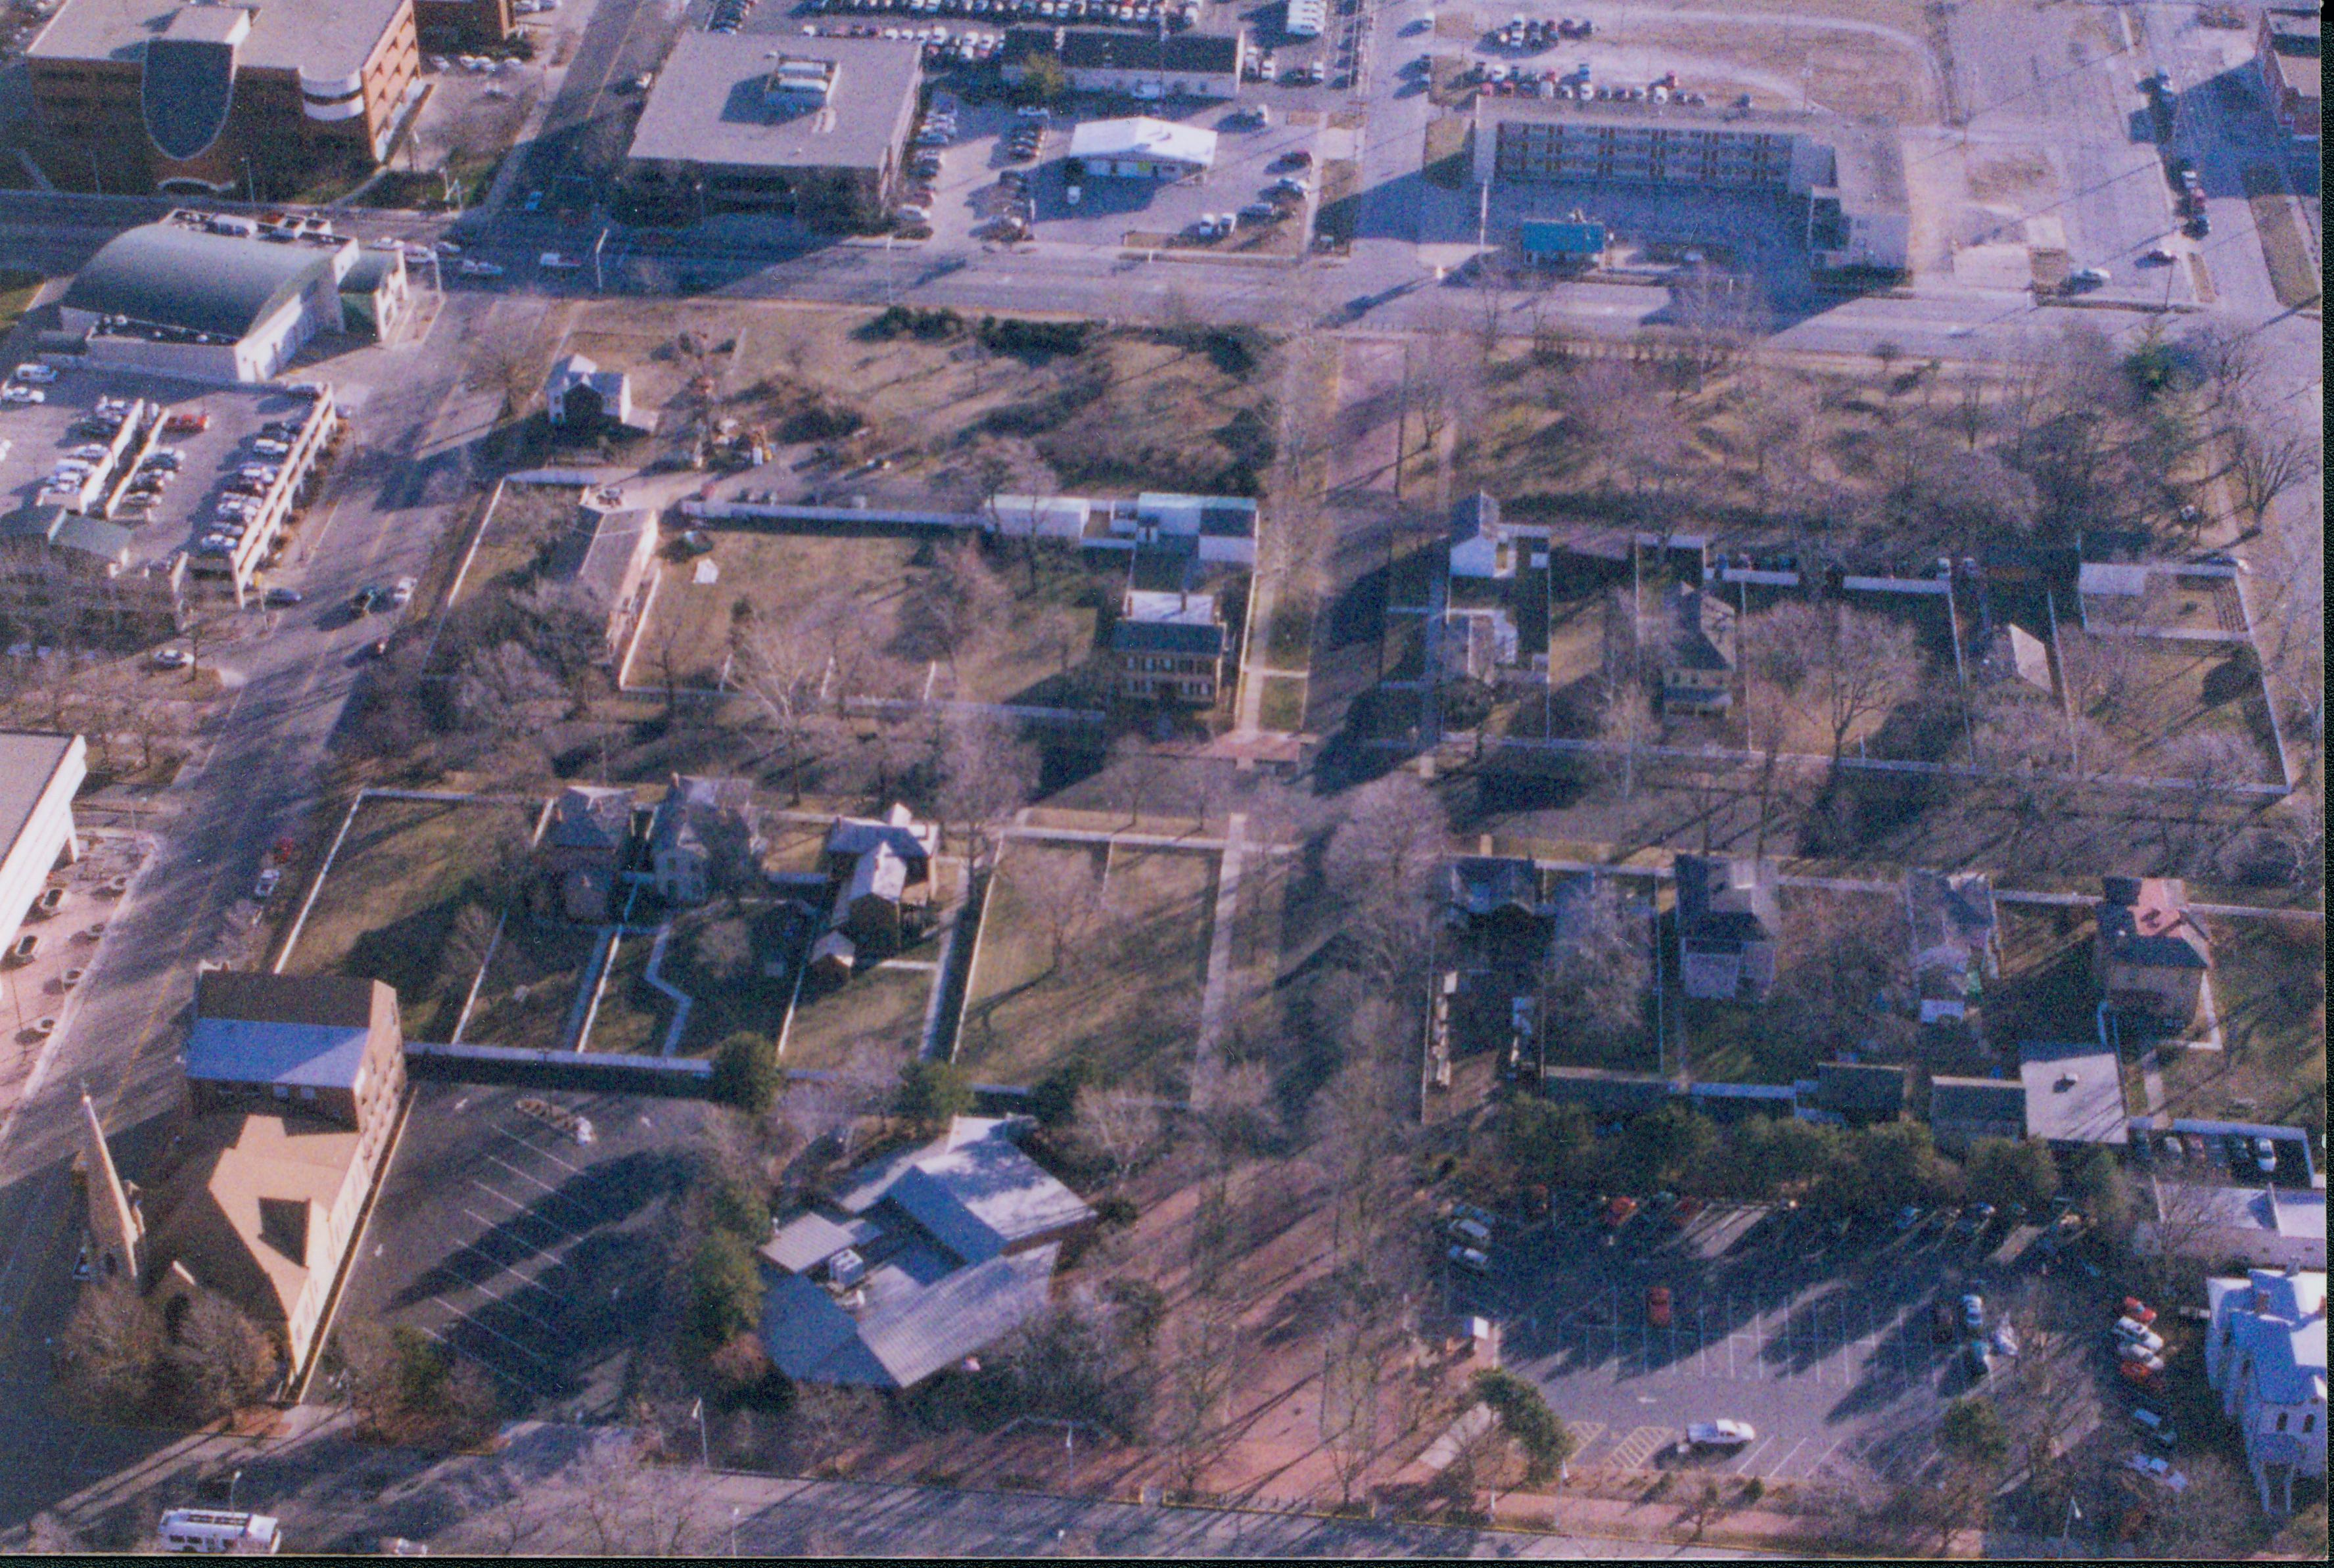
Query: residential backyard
{"points": [[1127, 1000], [882, 1007], [530, 988], [2270, 993], [391, 898]]}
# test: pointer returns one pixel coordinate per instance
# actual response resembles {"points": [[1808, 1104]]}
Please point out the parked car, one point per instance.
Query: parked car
{"points": [[1474, 1233], [2128, 1333], [1942, 1325], [400, 592], [282, 598], [2146, 1355], [2157, 1429], [1973, 1314], [1979, 1357], [1722, 1434], [25, 947], [471, 268], [16, 394], [35, 372], [1469, 1259], [265, 888], [2137, 1311], [1618, 1210], [187, 422], [2158, 1470], [172, 659], [1657, 1305]]}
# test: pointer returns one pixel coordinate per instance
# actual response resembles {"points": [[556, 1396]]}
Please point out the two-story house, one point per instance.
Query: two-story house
{"points": [[2265, 1356], [2151, 956], [1169, 647], [1698, 661], [1729, 920], [706, 838], [585, 847]]}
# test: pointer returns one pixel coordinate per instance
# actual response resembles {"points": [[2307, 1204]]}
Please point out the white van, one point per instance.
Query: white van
{"points": [[216, 1530]]}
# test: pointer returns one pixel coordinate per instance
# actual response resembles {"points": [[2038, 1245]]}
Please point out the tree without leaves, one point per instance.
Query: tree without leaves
{"points": [[1384, 862], [221, 1362], [1119, 1128], [1597, 981], [2270, 454], [1059, 887], [1842, 665], [986, 770], [110, 1349], [507, 691], [780, 665]]}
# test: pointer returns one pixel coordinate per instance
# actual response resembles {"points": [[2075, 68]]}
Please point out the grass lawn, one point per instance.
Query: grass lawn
{"points": [[1737, 1042], [1133, 1015], [403, 873], [2284, 247], [528, 519], [1281, 707], [1444, 162], [2181, 688], [16, 292], [530, 984], [1402, 654], [885, 1007], [634, 1015], [1290, 644], [723, 1000], [2046, 991], [2270, 988]]}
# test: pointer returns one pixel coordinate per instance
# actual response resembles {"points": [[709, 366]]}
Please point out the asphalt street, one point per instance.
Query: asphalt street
{"points": [[256, 778]]}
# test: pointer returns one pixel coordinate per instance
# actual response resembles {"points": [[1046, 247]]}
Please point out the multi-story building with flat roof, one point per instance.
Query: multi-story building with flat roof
{"points": [[182, 94], [1851, 176], [39, 775], [816, 132]]}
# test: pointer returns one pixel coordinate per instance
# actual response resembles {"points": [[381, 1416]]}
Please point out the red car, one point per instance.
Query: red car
{"points": [[1657, 1305], [2139, 1373], [2138, 1311], [1617, 1211], [1687, 1207]]}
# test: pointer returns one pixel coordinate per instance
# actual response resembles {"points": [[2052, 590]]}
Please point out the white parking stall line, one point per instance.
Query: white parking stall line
{"points": [[554, 1259], [1776, 1469], [534, 1148], [1816, 1465], [1730, 1340], [548, 1187], [497, 1296], [1702, 1340], [527, 1211], [492, 1370], [1758, 1446], [477, 1322]]}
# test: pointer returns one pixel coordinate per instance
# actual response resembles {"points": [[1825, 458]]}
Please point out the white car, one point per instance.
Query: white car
{"points": [[172, 659], [2146, 1339], [16, 394], [2158, 1470], [265, 888], [1468, 1258], [447, 248], [479, 269], [36, 372], [267, 448], [400, 592], [552, 261], [1720, 1435]]}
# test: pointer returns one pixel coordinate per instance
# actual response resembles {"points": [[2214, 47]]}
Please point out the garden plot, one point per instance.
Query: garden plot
{"points": [[412, 899], [1125, 994]]}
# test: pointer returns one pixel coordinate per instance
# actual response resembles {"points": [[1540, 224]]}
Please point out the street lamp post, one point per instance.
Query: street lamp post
{"points": [[232, 1481], [734, 1512]]}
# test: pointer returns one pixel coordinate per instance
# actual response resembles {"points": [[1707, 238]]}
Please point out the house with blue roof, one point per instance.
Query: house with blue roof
{"points": [[2265, 1356]]}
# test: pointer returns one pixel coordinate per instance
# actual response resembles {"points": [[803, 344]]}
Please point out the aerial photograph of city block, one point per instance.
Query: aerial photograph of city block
{"points": [[1176, 779]]}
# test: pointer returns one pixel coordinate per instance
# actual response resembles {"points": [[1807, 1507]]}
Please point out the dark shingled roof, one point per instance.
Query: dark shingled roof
{"points": [[1095, 50], [1861, 1089], [1166, 636], [1995, 1100], [2145, 921], [1709, 908]]}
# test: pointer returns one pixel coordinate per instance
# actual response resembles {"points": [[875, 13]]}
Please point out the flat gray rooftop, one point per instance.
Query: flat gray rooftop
{"points": [[707, 105], [28, 761], [324, 37]]}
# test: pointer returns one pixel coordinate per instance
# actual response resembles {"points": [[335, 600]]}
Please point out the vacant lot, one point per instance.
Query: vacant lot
{"points": [[1127, 407], [527, 521], [1126, 994], [910, 616], [389, 902]]}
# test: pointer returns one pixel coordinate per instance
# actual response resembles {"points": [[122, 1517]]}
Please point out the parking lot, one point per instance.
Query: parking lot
{"points": [[541, 1259], [968, 191], [38, 436], [1760, 236], [1824, 1343]]}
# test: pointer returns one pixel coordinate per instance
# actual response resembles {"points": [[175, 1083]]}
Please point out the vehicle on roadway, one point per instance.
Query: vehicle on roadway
{"points": [[470, 268], [552, 261], [400, 592], [281, 598], [217, 1530]]}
